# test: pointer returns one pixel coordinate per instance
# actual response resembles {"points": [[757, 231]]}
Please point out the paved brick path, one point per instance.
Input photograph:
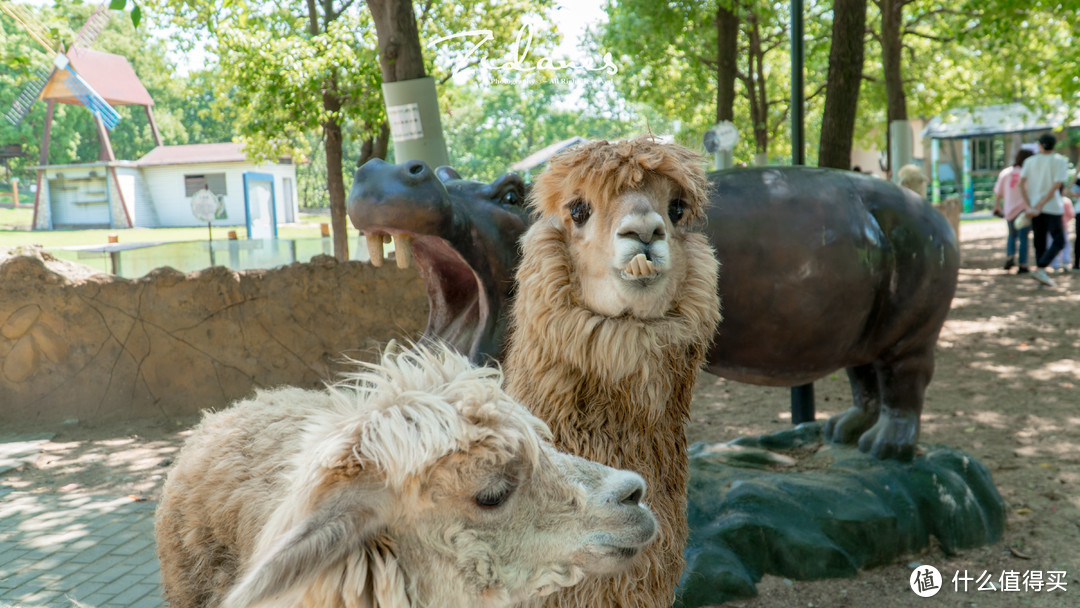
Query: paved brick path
{"points": [[96, 550]]}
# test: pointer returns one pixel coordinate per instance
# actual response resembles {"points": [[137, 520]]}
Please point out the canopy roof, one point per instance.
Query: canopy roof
{"points": [[191, 154], [110, 75], [994, 120], [187, 154]]}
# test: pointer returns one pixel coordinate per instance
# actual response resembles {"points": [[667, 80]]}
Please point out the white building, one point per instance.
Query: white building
{"points": [[158, 190]]}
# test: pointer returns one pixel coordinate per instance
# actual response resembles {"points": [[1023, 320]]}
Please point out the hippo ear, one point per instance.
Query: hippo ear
{"points": [[446, 174]]}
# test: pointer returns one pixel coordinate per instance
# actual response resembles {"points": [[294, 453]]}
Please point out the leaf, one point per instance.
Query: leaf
{"points": [[118, 5], [136, 14]]}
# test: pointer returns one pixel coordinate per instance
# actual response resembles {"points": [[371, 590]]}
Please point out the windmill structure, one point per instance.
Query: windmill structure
{"points": [[79, 75]]}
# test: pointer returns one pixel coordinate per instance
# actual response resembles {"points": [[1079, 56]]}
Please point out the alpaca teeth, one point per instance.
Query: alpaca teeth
{"points": [[640, 266], [374, 248], [403, 250]]}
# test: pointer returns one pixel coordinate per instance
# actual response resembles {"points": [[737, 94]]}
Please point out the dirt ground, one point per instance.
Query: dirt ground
{"points": [[1005, 391]]}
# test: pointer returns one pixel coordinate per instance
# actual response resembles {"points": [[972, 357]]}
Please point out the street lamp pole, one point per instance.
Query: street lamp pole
{"points": [[802, 397]]}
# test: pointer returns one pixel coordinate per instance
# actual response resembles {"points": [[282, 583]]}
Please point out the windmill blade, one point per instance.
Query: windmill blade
{"points": [[26, 98], [32, 26], [89, 97], [93, 26]]}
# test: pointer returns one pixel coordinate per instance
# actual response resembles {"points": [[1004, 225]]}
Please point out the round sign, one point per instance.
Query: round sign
{"points": [[204, 205], [726, 135]]}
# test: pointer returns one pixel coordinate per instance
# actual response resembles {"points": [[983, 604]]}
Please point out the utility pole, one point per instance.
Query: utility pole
{"points": [[802, 397]]}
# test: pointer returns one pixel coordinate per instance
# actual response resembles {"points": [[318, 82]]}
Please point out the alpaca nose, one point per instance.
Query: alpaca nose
{"points": [[628, 489], [645, 227]]}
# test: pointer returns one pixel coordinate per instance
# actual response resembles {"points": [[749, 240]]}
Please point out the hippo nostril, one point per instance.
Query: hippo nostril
{"points": [[415, 171]]}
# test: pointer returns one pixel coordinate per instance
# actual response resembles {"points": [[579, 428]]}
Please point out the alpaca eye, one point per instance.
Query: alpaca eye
{"points": [[580, 211], [675, 209], [494, 497]]}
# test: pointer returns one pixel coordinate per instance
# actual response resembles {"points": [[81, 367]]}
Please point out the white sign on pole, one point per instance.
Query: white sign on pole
{"points": [[720, 141], [405, 122], [726, 135], [204, 205]]}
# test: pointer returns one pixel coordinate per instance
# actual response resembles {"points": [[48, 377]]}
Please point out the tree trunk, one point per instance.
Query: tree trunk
{"points": [[892, 22], [842, 86], [727, 32], [335, 181], [400, 55], [755, 85], [375, 147]]}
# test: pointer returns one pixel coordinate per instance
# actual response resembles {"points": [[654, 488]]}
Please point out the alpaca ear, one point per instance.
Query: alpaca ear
{"points": [[324, 537]]}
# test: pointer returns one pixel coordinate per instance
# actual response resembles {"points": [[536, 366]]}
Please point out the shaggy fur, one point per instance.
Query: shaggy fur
{"points": [[367, 495], [616, 389], [913, 178]]}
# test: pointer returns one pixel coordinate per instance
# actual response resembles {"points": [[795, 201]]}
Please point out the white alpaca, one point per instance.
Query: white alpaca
{"points": [[416, 482]]}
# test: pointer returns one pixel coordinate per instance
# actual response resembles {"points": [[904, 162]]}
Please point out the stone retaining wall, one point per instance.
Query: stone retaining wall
{"points": [[76, 343]]}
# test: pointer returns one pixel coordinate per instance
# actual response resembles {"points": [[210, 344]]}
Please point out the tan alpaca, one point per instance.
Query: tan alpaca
{"points": [[616, 306]]}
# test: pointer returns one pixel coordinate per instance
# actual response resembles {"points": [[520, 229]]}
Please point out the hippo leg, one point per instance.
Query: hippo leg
{"points": [[903, 384], [849, 425]]}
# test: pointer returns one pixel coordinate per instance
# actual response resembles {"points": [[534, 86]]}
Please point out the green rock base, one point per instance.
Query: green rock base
{"points": [[788, 504]]}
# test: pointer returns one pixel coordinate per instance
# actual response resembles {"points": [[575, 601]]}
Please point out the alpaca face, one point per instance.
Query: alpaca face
{"points": [[629, 253], [513, 530]]}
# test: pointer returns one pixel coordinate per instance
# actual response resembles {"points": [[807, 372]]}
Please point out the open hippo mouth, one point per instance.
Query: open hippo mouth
{"points": [[458, 306], [460, 234]]}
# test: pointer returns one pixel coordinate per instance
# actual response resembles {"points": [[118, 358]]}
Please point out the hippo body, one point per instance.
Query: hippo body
{"points": [[819, 269], [823, 269]]}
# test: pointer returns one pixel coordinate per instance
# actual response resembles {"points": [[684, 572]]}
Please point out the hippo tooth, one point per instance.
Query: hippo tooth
{"points": [[374, 248], [403, 250]]}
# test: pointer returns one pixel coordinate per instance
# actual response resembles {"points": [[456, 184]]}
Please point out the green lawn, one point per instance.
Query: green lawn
{"points": [[15, 224]]}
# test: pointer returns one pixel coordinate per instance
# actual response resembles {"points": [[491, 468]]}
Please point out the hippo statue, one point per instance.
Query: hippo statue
{"points": [[823, 269], [462, 236], [820, 269]]}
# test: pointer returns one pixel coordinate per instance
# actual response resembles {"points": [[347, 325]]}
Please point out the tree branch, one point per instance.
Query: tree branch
{"points": [[422, 19], [712, 63], [919, 34], [344, 7], [820, 88]]}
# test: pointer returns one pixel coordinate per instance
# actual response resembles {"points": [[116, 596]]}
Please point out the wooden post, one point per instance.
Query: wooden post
{"points": [[50, 108], [103, 136], [153, 125], [15, 193]]}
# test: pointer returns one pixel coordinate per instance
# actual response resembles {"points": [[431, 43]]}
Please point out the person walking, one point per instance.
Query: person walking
{"points": [[1062, 261], [1041, 179], [1007, 191]]}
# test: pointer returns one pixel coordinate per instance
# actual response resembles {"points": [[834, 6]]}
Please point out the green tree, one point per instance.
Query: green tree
{"points": [[288, 69], [680, 59], [492, 127]]}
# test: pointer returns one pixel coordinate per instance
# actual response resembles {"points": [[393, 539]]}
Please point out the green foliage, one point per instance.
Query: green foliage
{"points": [[957, 54], [667, 55], [488, 128], [275, 83]]}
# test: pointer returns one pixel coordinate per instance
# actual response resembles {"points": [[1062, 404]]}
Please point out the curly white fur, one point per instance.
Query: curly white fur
{"points": [[376, 492]]}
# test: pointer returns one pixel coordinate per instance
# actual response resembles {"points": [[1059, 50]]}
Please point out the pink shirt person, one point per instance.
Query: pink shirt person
{"points": [[1008, 187]]}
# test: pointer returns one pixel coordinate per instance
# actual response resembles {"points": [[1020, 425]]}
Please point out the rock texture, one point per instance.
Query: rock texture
{"points": [[818, 510], [76, 343]]}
